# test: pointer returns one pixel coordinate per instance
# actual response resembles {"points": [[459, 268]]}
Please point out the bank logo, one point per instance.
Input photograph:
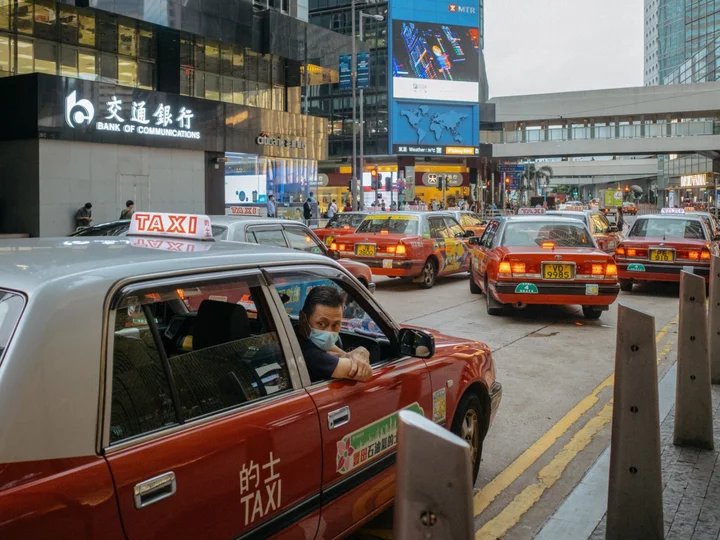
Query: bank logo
{"points": [[454, 8], [78, 112]]}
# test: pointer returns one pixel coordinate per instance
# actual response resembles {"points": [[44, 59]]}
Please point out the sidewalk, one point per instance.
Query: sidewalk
{"points": [[691, 486]]}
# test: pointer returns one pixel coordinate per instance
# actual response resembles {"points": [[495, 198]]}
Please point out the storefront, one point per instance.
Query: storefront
{"points": [[73, 141]]}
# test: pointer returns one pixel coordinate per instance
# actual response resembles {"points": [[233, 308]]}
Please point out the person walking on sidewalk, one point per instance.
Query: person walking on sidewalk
{"points": [[308, 208], [83, 217], [271, 206], [332, 209], [128, 211]]}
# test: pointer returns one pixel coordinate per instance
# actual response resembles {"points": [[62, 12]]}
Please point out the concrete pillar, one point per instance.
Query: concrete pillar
{"points": [[693, 400], [714, 321], [635, 508]]}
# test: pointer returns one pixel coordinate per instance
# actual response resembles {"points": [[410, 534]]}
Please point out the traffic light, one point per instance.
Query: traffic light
{"points": [[507, 181], [374, 181], [388, 183], [627, 189], [440, 181], [350, 185]]}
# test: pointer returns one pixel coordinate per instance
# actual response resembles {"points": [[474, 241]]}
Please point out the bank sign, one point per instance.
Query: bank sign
{"points": [[434, 54]]}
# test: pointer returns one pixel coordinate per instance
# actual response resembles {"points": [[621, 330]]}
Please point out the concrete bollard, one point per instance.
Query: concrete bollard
{"points": [[714, 321], [693, 398], [635, 507]]}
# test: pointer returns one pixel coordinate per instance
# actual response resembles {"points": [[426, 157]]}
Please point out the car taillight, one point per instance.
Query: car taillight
{"points": [[400, 250], [390, 249], [705, 255], [620, 250], [611, 270], [548, 245], [632, 252], [597, 269], [693, 255], [518, 267], [342, 247], [505, 270], [334, 246]]}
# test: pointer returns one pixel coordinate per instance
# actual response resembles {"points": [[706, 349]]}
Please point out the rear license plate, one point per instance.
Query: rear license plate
{"points": [[365, 250], [662, 255], [557, 271]]}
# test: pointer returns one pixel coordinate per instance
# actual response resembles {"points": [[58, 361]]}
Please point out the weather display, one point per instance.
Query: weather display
{"points": [[435, 61]]}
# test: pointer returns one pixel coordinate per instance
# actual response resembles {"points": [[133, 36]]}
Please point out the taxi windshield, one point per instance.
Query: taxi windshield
{"points": [[340, 220], [658, 227], [11, 306], [392, 224], [534, 233]]}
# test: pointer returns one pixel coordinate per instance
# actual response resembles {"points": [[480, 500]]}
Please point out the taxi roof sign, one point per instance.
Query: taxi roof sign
{"points": [[186, 226], [530, 211], [672, 210], [571, 208]]}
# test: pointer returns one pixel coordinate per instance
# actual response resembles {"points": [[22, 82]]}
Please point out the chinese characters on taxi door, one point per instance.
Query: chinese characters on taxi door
{"points": [[260, 489]]}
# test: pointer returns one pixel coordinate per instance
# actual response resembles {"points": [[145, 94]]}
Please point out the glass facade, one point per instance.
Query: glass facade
{"points": [[671, 36]]}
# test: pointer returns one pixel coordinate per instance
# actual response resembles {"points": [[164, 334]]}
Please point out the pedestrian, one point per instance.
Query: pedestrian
{"points": [[298, 215], [393, 206], [433, 205], [383, 206], [83, 217], [308, 209], [348, 206], [620, 220], [271, 206], [332, 210], [461, 204], [128, 211]]}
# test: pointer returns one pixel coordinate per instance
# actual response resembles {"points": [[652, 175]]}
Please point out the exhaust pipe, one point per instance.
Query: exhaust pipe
{"points": [[519, 305]]}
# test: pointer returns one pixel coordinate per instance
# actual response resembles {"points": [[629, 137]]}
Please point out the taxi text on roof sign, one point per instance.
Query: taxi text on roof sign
{"points": [[193, 227], [530, 211], [672, 211]]}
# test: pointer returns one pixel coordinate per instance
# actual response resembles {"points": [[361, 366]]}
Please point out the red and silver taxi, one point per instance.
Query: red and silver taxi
{"points": [[140, 400], [470, 221], [660, 247], [340, 224], [523, 260], [605, 234], [417, 245]]}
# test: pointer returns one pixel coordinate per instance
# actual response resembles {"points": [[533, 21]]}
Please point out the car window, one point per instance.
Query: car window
{"points": [[489, 234], [668, 228], [220, 232], [393, 224], [271, 237], [361, 326], [599, 223], [454, 227], [341, 219], [303, 241], [535, 233], [11, 307], [438, 228], [218, 350], [471, 220]]}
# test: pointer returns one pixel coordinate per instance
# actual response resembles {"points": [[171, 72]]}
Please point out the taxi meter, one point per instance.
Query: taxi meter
{"points": [[171, 232]]}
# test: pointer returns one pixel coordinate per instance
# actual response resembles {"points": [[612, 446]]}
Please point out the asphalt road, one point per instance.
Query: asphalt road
{"points": [[555, 368]]}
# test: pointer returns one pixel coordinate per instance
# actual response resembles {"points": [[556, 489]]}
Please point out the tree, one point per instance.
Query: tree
{"points": [[531, 178]]}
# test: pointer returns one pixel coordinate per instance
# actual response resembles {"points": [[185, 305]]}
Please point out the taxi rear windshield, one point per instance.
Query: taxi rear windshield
{"points": [[391, 224], [11, 306], [340, 220], [534, 233], [668, 228]]}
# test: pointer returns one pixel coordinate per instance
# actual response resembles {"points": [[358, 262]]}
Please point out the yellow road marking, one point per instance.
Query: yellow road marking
{"points": [[488, 493], [548, 475]]}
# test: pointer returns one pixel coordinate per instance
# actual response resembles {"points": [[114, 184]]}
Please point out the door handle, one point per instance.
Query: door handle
{"points": [[339, 417], [155, 489]]}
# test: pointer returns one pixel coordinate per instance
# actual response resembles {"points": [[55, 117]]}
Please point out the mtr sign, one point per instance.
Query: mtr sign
{"points": [[454, 8]]}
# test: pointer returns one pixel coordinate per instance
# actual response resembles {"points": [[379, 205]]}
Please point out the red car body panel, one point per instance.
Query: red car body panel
{"points": [[322, 234], [640, 268]]}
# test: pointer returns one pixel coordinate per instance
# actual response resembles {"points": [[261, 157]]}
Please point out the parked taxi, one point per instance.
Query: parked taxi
{"points": [[340, 224], [417, 245], [605, 234], [140, 400], [659, 247], [470, 221], [539, 259]]}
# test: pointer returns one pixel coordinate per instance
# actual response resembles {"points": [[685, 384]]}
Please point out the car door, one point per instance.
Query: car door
{"points": [[600, 229], [358, 420], [457, 251], [483, 252], [303, 240], [208, 432], [439, 234], [271, 235]]}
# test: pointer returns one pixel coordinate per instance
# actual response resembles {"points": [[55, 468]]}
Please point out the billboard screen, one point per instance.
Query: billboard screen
{"points": [[432, 61]]}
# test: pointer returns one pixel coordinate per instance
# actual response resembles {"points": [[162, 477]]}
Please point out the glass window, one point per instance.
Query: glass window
{"points": [[534, 233], [212, 56], [69, 62], [392, 224], [186, 52], [239, 88], [263, 96], [145, 74], [127, 72], [437, 228], [212, 86], [199, 53], [238, 63], [86, 29], [226, 59], [25, 57], [86, 66], [108, 68], [146, 44], [269, 237], [107, 39], [68, 24], [227, 89], [278, 98], [45, 20], [600, 223], [24, 17], [668, 228], [454, 227], [199, 84], [471, 220], [127, 40], [303, 241], [186, 81], [5, 56], [5, 14]]}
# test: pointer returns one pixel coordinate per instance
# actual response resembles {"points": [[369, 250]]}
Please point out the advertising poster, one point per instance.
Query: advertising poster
{"points": [[245, 189]]}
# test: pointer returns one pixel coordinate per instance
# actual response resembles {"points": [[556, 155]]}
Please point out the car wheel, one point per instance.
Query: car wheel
{"points": [[592, 312], [626, 285], [474, 288], [492, 306], [428, 275], [469, 424]]}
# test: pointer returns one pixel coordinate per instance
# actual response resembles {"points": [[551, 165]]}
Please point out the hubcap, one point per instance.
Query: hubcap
{"points": [[429, 271], [470, 432]]}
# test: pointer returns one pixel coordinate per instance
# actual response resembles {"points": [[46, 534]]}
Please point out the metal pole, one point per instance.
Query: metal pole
{"points": [[714, 321], [353, 78], [307, 74], [492, 187], [361, 202]]}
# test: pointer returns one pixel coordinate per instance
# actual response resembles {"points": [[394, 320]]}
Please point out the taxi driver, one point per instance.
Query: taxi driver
{"points": [[320, 322]]}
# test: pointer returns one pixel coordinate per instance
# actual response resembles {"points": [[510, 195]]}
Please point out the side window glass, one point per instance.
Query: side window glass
{"points": [[489, 235], [219, 342], [360, 325], [600, 224], [454, 227], [270, 237], [437, 228], [301, 240]]}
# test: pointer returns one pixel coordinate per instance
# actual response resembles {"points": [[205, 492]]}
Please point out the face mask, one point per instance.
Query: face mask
{"points": [[323, 339]]}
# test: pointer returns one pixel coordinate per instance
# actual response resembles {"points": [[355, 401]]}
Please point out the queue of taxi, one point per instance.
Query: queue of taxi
{"points": [[606, 235], [534, 258], [659, 247], [192, 411], [340, 224]]}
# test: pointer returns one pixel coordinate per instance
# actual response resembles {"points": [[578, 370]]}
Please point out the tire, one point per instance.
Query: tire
{"points": [[492, 306], [428, 275], [626, 285], [474, 289], [469, 424], [591, 313]]}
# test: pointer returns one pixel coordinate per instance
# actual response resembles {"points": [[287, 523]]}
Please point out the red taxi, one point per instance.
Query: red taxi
{"points": [[470, 221], [523, 260], [606, 235], [660, 247], [154, 386], [340, 224], [417, 245]]}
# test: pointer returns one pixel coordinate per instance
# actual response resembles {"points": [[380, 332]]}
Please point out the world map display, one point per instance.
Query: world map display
{"points": [[423, 122]]}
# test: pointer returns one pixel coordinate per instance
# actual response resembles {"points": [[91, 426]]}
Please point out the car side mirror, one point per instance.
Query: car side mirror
{"points": [[474, 240], [334, 254], [416, 343], [469, 234], [613, 229]]}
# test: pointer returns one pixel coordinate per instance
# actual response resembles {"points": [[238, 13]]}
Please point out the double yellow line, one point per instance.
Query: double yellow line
{"points": [[548, 475]]}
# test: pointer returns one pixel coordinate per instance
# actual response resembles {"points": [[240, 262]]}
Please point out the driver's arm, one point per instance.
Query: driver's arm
{"points": [[353, 368]]}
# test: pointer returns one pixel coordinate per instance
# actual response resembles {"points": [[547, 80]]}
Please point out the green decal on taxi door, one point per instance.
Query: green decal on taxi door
{"points": [[526, 288], [369, 442]]}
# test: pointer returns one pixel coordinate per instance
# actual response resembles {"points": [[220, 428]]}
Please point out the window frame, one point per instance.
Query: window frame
{"points": [[430, 220], [143, 283]]}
